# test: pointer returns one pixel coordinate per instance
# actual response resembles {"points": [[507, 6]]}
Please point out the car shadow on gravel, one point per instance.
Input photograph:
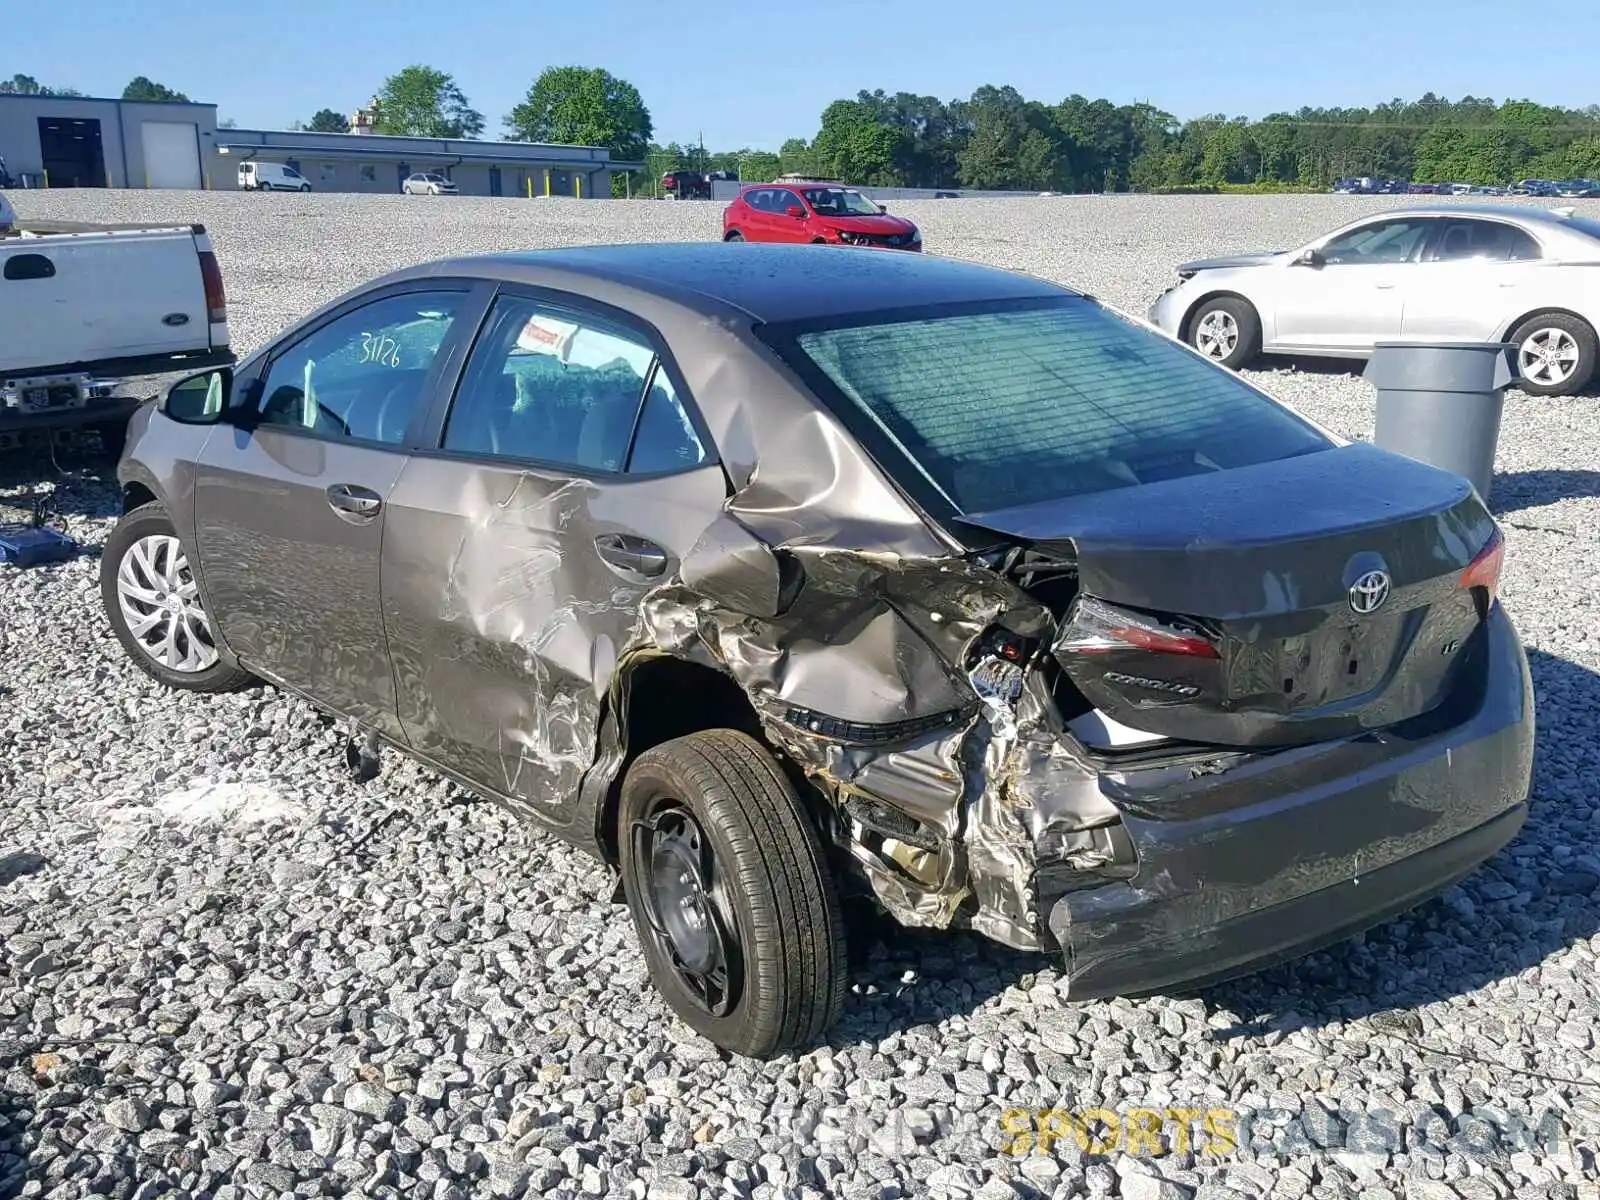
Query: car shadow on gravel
{"points": [[1515, 491], [13, 1155], [80, 483], [1499, 922]]}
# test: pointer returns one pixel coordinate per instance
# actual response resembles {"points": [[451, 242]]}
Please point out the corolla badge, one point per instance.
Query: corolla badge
{"points": [[1368, 593]]}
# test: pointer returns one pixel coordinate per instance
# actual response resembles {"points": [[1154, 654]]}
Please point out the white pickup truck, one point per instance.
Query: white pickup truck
{"points": [[84, 310]]}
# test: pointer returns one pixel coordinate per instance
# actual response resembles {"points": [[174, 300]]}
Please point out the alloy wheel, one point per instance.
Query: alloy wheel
{"points": [[1216, 334], [1548, 356], [160, 602], [686, 905]]}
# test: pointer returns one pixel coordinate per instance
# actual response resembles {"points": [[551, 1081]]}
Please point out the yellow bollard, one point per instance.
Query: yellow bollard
{"points": [[530, 187], [547, 182], [46, 175], [577, 186]]}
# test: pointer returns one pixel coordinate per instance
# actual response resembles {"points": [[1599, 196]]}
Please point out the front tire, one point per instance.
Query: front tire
{"points": [[1226, 330], [1556, 354], [731, 894], [733, 235], [305, 187], [152, 600]]}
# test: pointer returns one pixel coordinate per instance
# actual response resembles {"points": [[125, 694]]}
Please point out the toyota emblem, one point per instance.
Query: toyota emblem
{"points": [[1368, 593]]}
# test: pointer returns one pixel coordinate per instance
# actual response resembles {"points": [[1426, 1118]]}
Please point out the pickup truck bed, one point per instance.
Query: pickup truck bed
{"points": [[84, 309]]}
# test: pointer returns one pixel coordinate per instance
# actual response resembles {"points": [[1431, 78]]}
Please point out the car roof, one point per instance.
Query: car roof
{"points": [[766, 281], [1514, 212]]}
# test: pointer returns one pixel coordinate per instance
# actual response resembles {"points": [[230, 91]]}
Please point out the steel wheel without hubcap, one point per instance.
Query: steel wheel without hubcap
{"points": [[1216, 334], [1548, 356], [160, 603], [686, 907]]}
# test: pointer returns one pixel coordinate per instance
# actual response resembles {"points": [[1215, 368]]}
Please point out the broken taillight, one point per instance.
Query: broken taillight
{"points": [[1484, 570], [1095, 627], [216, 297]]}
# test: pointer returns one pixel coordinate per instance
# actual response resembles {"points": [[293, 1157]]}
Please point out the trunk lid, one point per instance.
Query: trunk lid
{"points": [[1243, 608]]}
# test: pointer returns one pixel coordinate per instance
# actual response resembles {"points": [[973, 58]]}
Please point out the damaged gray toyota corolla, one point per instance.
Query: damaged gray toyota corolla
{"points": [[775, 574]]}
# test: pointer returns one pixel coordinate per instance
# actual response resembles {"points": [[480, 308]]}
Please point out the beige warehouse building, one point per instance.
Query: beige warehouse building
{"points": [[73, 141]]}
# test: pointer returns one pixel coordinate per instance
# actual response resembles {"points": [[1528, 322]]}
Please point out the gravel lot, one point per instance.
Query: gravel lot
{"points": [[322, 987]]}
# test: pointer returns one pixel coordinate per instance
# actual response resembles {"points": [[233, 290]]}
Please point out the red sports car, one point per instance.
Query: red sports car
{"points": [[814, 212]]}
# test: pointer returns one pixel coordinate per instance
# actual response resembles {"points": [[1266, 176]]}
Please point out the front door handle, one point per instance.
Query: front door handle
{"points": [[1385, 285], [632, 555], [354, 503]]}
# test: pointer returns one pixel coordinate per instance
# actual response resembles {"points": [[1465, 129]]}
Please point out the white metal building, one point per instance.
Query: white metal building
{"points": [[81, 141], [370, 162]]}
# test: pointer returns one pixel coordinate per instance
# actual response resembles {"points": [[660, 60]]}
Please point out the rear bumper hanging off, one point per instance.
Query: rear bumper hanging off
{"points": [[1303, 848]]}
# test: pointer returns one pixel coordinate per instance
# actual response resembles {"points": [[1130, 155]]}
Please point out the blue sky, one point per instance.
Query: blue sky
{"points": [[757, 72]]}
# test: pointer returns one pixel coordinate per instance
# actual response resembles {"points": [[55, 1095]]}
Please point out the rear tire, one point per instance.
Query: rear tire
{"points": [[731, 895], [1556, 354], [143, 569], [1227, 330]]}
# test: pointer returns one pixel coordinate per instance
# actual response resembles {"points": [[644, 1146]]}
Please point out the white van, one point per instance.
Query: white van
{"points": [[271, 176]]}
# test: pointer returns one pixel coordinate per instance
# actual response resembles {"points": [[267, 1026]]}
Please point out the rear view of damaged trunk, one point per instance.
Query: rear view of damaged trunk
{"points": [[1349, 608], [973, 722]]}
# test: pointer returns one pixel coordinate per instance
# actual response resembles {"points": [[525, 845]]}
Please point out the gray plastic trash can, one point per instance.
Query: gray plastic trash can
{"points": [[1441, 403]]}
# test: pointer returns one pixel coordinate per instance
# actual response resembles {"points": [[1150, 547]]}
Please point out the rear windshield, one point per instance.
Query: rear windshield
{"points": [[1001, 408]]}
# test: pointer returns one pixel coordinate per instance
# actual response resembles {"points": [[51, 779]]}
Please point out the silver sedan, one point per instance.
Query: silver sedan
{"points": [[1441, 273]]}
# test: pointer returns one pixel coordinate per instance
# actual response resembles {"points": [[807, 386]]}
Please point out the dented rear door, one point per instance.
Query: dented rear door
{"points": [[517, 553]]}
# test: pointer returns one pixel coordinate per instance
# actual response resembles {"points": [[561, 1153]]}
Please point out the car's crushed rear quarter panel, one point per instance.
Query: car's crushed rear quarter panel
{"points": [[862, 677]]}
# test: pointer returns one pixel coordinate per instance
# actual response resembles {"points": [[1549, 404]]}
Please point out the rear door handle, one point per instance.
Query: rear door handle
{"points": [[354, 503], [631, 555]]}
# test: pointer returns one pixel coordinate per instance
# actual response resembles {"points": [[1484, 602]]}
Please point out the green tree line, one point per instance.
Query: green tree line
{"points": [[998, 139]]}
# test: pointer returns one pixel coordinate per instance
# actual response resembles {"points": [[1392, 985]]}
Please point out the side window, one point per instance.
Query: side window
{"points": [[666, 439], [361, 376], [784, 200], [546, 386], [1483, 241], [758, 200], [1382, 242]]}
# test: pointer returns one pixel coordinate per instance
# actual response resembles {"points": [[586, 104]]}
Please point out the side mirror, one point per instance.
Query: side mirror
{"points": [[200, 399], [883, 208], [795, 211], [1310, 258]]}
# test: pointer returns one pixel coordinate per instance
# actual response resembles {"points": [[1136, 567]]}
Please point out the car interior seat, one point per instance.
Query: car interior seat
{"points": [[613, 401]]}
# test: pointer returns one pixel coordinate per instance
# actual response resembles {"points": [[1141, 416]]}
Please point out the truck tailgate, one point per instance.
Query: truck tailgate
{"points": [[82, 298]]}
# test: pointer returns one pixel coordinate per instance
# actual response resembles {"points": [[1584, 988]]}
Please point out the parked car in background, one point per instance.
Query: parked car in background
{"points": [[1448, 272], [692, 185], [144, 301], [8, 216], [1578, 189], [426, 183], [781, 586], [810, 212], [271, 177]]}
